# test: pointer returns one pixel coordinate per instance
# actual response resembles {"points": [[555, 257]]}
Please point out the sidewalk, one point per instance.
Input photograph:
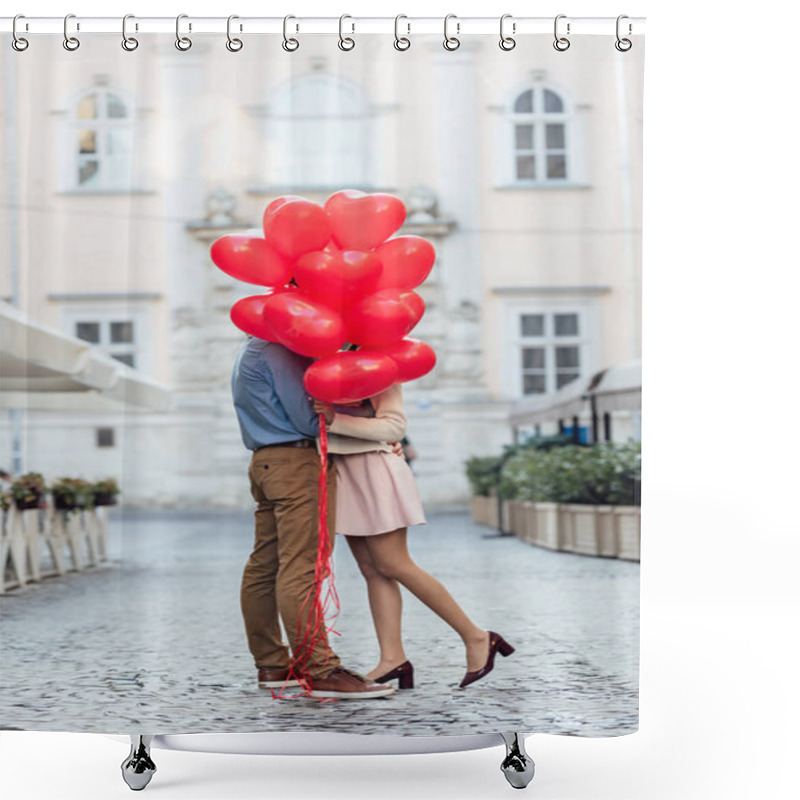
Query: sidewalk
{"points": [[155, 643]]}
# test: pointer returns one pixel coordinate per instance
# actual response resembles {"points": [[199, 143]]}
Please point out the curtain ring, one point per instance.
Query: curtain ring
{"points": [[290, 45], [561, 43], [233, 45], [182, 42], [129, 43], [19, 43], [71, 43], [401, 42], [623, 45], [451, 42], [346, 42], [506, 42]]}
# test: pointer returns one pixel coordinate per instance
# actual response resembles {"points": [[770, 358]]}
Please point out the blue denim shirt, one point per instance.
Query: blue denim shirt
{"points": [[271, 402]]}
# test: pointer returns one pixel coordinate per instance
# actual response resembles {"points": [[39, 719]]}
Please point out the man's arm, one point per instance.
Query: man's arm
{"points": [[286, 371]]}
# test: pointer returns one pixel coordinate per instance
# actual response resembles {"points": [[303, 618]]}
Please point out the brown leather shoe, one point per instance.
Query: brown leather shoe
{"points": [[274, 678], [347, 685]]}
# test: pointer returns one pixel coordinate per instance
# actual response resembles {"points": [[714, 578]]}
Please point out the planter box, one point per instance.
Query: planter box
{"points": [[105, 499], [546, 531], [628, 530], [531, 522], [608, 531], [578, 529], [24, 505], [506, 526], [517, 523], [476, 511], [62, 504], [483, 510]]}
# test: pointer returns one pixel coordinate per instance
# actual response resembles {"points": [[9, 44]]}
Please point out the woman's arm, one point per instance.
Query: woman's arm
{"points": [[388, 424]]}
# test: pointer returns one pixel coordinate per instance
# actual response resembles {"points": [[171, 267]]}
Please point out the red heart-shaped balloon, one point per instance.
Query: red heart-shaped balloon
{"points": [[297, 227], [247, 314], [362, 221], [304, 325], [250, 259], [281, 201], [337, 279], [407, 261], [350, 376], [415, 304], [413, 358], [380, 318]]}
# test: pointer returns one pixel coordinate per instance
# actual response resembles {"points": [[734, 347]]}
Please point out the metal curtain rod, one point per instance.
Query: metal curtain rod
{"points": [[461, 26]]}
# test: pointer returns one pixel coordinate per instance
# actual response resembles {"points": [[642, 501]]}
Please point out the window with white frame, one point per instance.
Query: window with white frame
{"points": [[101, 142], [551, 349], [540, 130], [318, 134], [117, 336]]}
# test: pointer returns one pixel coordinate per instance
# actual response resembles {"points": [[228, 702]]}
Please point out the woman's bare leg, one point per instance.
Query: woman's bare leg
{"points": [[386, 605], [390, 557]]}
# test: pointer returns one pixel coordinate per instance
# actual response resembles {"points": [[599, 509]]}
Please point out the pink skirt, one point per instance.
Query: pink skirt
{"points": [[375, 493]]}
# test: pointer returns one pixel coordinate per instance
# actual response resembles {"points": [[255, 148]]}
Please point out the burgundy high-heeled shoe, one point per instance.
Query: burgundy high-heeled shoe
{"points": [[497, 644], [404, 673]]}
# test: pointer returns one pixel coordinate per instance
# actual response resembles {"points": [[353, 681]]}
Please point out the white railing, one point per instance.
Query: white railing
{"points": [[43, 543]]}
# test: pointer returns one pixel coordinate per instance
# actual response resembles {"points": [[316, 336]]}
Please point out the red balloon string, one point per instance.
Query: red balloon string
{"points": [[315, 626]]}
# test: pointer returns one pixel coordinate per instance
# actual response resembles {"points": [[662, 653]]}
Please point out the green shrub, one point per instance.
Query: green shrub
{"points": [[483, 473], [72, 493], [602, 474], [28, 487], [105, 486]]}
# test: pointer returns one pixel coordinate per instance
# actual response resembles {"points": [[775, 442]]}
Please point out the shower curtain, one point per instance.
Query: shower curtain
{"points": [[128, 510]]}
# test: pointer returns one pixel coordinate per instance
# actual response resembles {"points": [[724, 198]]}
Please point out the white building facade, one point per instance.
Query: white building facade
{"points": [[522, 168]]}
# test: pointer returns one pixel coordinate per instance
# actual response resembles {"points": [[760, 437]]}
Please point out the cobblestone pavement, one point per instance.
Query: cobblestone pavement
{"points": [[154, 641]]}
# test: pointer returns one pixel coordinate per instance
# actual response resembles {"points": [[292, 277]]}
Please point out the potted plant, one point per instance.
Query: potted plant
{"points": [[105, 492], [585, 498], [483, 474], [70, 494], [28, 490], [5, 500]]}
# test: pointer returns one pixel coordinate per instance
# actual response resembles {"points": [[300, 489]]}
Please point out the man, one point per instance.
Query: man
{"points": [[279, 424]]}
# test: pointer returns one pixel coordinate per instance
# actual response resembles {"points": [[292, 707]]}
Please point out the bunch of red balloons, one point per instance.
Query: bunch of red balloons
{"points": [[335, 278]]}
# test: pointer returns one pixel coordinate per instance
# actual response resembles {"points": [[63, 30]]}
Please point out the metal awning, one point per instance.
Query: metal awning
{"points": [[42, 368], [565, 403], [617, 388]]}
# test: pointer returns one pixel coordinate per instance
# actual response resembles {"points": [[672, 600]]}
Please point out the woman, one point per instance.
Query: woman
{"points": [[376, 500]]}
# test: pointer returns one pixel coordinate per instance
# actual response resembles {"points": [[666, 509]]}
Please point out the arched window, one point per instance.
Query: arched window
{"points": [[318, 134], [541, 137], [101, 142]]}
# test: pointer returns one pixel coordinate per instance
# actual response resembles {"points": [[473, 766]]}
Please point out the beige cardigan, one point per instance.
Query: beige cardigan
{"points": [[350, 434]]}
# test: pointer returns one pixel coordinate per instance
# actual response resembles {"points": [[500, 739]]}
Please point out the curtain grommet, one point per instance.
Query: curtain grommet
{"points": [[401, 43], [623, 44], [289, 44], [233, 44], [71, 43], [507, 42], [19, 43], [346, 43], [451, 43], [561, 43], [183, 43], [129, 43]]}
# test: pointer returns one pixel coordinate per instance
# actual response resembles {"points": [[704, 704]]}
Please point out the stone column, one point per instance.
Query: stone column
{"points": [[458, 188], [188, 473]]}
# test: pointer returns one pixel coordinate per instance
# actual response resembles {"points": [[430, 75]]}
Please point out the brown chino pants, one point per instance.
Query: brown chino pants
{"points": [[280, 571]]}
